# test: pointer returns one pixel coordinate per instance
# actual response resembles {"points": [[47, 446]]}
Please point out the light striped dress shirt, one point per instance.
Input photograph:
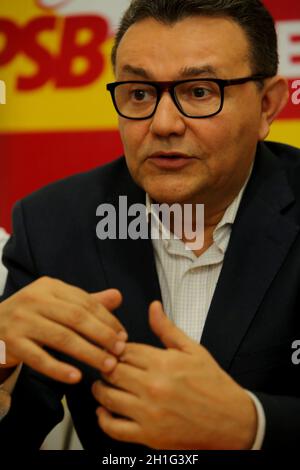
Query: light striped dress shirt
{"points": [[188, 282]]}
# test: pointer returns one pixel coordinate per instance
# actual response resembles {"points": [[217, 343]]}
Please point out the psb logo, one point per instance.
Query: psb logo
{"points": [[2, 92], [108, 9], [2, 352], [80, 34]]}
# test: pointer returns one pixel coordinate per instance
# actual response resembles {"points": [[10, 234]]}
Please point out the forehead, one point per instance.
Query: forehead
{"points": [[163, 50]]}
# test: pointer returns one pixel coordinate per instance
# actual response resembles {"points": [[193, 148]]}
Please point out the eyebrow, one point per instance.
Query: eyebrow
{"points": [[138, 71], [185, 72]]}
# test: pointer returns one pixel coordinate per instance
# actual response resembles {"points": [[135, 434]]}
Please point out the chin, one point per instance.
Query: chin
{"points": [[169, 197], [169, 189]]}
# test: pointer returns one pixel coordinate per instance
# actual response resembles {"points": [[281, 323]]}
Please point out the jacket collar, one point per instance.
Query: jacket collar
{"points": [[261, 237]]}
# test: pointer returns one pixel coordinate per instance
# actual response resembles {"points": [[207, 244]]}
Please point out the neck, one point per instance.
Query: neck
{"points": [[211, 220], [204, 213]]}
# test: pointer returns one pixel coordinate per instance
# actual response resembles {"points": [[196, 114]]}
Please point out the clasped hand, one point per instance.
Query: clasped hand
{"points": [[174, 398]]}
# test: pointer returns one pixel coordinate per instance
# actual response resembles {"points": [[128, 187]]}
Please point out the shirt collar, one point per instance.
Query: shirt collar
{"points": [[222, 231]]}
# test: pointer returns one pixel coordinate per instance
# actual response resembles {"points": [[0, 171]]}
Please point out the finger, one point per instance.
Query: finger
{"points": [[39, 360], [169, 334], [105, 316], [108, 301], [128, 379], [66, 292], [140, 355], [123, 403], [84, 323], [120, 429], [110, 298], [64, 340], [89, 302]]}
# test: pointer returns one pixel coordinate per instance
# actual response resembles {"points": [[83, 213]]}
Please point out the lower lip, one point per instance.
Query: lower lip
{"points": [[171, 163]]}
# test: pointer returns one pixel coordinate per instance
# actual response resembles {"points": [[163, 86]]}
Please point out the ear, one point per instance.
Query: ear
{"points": [[275, 95]]}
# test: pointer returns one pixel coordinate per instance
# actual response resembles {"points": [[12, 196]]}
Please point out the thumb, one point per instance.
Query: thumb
{"points": [[168, 333], [110, 298]]}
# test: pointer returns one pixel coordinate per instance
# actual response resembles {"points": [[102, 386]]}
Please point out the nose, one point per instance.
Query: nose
{"points": [[167, 119]]}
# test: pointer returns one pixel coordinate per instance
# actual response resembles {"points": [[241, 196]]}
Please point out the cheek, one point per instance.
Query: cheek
{"points": [[223, 140], [132, 135], [243, 116], [213, 136], [229, 130]]}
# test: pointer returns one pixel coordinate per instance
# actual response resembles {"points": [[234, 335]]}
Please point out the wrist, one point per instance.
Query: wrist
{"points": [[250, 424]]}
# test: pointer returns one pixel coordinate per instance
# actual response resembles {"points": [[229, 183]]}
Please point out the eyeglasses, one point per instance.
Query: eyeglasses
{"points": [[193, 98]]}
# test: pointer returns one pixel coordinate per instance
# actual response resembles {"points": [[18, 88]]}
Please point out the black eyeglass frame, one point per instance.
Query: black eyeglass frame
{"points": [[170, 87]]}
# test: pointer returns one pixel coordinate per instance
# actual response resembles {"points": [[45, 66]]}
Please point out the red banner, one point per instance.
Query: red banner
{"points": [[58, 119]]}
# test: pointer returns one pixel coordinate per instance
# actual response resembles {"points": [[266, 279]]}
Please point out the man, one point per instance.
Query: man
{"points": [[197, 90]]}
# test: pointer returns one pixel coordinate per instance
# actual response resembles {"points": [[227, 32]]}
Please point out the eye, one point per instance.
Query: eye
{"points": [[200, 92], [196, 91], [139, 95], [142, 94]]}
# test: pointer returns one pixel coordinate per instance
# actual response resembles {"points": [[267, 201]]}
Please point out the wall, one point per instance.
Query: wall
{"points": [[58, 118]]}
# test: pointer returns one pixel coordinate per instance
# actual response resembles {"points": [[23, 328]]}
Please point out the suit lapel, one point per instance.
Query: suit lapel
{"points": [[130, 267], [261, 237]]}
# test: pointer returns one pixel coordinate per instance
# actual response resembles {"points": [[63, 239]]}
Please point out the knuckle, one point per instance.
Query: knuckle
{"points": [[27, 296], [94, 355], [78, 316], [158, 388], [164, 363], [34, 360], [90, 304], [46, 280], [11, 341], [53, 370], [17, 316], [126, 357], [63, 339], [102, 311], [114, 377], [107, 336], [106, 400]]}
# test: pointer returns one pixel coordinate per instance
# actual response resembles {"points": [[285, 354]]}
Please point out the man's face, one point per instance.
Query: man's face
{"points": [[218, 150]]}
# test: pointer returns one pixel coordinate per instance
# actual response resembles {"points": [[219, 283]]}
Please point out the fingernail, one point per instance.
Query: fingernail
{"points": [[74, 375], [96, 385], [123, 336], [110, 363], [119, 347]]}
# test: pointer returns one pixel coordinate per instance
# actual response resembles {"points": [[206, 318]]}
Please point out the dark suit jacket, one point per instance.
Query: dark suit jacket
{"points": [[253, 319]]}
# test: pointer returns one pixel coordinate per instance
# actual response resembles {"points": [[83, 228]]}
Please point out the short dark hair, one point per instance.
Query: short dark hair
{"points": [[251, 15]]}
